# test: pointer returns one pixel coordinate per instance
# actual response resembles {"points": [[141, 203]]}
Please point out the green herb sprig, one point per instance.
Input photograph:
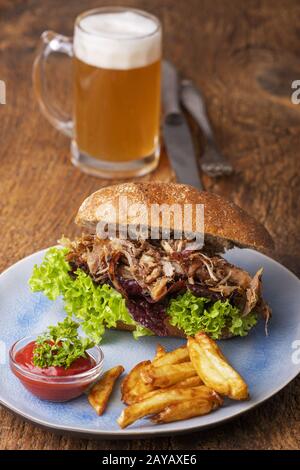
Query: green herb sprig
{"points": [[60, 345]]}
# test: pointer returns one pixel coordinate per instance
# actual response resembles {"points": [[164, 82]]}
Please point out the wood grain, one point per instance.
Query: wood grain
{"points": [[244, 56]]}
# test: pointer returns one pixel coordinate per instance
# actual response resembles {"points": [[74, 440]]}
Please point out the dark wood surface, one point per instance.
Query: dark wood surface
{"points": [[244, 55]]}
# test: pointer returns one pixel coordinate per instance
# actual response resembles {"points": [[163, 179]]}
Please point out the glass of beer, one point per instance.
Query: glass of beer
{"points": [[115, 125]]}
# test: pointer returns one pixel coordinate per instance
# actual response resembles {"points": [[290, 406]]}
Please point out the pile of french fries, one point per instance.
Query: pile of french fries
{"points": [[187, 382]]}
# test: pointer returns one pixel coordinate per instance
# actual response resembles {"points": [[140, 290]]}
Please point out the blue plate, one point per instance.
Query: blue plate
{"points": [[268, 363]]}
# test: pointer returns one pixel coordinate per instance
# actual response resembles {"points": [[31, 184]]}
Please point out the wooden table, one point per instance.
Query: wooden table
{"points": [[244, 56]]}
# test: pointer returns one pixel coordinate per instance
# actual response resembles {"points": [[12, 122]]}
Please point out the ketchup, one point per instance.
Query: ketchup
{"points": [[52, 383], [24, 357]]}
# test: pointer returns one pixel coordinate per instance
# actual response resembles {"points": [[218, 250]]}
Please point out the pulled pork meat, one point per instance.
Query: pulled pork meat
{"points": [[149, 272]]}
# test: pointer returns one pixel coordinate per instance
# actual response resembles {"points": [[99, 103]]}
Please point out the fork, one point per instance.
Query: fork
{"points": [[213, 163]]}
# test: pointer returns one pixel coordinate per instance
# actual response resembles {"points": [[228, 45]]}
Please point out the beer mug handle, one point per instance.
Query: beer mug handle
{"points": [[51, 42]]}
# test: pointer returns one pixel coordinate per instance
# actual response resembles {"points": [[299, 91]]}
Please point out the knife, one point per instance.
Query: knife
{"points": [[176, 132], [212, 162]]}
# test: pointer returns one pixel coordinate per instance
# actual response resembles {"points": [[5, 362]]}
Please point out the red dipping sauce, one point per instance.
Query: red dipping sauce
{"points": [[54, 383], [24, 357]]}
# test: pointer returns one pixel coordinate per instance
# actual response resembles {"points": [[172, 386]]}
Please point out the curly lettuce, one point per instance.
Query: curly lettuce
{"points": [[100, 307], [52, 276], [193, 314], [96, 307]]}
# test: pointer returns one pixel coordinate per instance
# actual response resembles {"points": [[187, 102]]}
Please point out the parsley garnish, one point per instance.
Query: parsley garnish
{"points": [[60, 345]]}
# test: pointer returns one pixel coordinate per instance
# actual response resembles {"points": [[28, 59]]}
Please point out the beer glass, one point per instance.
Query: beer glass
{"points": [[116, 54]]}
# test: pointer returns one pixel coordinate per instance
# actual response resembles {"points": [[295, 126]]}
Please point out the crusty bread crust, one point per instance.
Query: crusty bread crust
{"points": [[123, 327], [223, 220], [172, 330]]}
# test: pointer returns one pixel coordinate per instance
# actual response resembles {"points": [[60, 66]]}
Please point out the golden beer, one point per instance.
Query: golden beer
{"points": [[117, 62], [114, 126], [117, 112]]}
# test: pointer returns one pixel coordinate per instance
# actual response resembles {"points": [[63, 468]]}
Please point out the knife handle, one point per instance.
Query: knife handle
{"points": [[171, 94]]}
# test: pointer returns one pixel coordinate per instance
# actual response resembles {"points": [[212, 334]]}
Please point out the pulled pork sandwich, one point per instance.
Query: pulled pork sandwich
{"points": [[166, 287]]}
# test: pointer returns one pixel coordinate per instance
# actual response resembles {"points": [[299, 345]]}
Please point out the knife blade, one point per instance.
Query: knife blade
{"points": [[176, 132]]}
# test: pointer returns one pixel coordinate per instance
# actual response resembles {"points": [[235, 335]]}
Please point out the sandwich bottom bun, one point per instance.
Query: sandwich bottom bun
{"points": [[173, 331]]}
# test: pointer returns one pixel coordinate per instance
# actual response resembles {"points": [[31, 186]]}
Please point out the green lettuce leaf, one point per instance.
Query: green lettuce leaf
{"points": [[100, 307], [193, 314], [97, 307], [52, 276], [141, 331]]}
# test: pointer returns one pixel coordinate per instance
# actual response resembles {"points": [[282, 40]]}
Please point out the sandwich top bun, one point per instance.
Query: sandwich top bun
{"points": [[225, 224]]}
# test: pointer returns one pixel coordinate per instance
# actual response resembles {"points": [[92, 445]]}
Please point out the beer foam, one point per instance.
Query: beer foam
{"points": [[120, 40]]}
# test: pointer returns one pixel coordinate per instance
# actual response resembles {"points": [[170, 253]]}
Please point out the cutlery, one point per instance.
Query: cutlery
{"points": [[213, 163], [177, 134]]}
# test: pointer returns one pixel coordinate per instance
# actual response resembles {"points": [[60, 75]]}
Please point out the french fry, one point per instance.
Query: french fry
{"points": [[133, 387], [188, 409], [101, 391], [213, 368], [194, 381], [160, 352], [159, 401], [165, 376], [173, 357]]}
